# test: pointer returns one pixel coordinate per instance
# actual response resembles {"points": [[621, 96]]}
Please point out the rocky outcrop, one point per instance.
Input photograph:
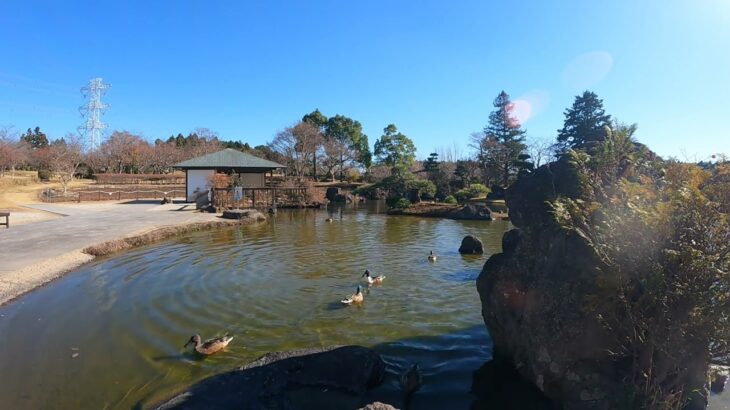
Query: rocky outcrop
{"points": [[242, 214], [333, 194], [471, 245], [307, 378], [475, 212], [534, 297]]}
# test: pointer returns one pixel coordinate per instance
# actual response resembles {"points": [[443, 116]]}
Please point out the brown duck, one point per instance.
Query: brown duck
{"points": [[210, 346]]}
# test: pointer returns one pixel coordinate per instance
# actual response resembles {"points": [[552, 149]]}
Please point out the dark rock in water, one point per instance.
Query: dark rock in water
{"points": [[240, 213], [534, 296], [473, 211], [497, 385], [378, 406], [471, 244], [332, 194], [718, 378], [306, 378]]}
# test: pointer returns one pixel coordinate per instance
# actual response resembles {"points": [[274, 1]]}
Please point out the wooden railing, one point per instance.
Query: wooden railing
{"points": [[260, 197], [109, 195]]}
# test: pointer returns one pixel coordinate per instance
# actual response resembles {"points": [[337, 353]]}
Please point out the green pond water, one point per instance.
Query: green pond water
{"points": [[111, 334]]}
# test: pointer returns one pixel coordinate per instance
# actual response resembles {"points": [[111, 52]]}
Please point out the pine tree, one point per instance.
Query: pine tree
{"points": [[505, 136], [584, 122]]}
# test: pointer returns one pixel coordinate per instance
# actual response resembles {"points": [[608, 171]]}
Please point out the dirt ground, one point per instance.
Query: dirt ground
{"points": [[22, 187]]}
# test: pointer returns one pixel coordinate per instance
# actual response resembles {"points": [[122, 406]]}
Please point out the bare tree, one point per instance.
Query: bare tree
{"points": [[337, 156], [64, 157], [541, 151], [12, 152], [298, 144]]}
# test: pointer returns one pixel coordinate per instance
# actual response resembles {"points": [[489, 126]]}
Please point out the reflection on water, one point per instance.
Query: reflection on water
{"points": [[111, 334]]}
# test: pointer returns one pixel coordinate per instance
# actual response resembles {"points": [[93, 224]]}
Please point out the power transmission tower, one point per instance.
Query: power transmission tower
{"points": [[92, 112]]}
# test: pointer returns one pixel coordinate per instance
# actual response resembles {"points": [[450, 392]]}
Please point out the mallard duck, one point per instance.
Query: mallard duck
{"points": [[356, 297], [373, 280], [411, 380], [431, 257], [329, 220], [210, 346]]}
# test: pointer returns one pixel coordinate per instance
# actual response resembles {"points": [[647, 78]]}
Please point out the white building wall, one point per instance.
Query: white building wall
{"points": [[198, 180]]}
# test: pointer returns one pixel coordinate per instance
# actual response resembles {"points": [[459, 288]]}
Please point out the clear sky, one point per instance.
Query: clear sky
{"points": [[248, 69]]}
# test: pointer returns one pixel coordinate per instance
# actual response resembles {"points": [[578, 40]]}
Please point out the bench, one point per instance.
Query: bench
{"points": [[7, 219]]}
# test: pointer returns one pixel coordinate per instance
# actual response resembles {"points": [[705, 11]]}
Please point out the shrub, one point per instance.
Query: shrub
{"points": [[44, 174], [450, 200], [473, 191], [398, 203]]}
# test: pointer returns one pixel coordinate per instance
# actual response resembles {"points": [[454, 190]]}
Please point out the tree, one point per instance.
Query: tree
{"points": [[122, 151], [298, 144], [584, 122], [318, 120], [345, 134], [36, 139], [12, 153], [63, 157], [503, 144], [394, 149]]}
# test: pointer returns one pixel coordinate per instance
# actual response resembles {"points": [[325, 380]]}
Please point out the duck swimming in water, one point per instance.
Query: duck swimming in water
{"points": [[431, 257], [210, 346], [377, 280], [356, 297], [329, 220]]}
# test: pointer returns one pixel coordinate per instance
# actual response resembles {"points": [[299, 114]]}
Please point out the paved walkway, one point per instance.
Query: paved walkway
{"points": [[29, 252]]}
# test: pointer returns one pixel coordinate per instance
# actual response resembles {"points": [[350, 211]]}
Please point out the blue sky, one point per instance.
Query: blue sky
{"points": [[246, 70]]}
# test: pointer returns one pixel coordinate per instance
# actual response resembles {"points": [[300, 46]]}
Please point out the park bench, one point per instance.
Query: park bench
{"points": [[7, 219]]}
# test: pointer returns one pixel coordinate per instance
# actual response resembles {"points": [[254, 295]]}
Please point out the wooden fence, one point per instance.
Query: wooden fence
{"points": [[261, 197], [109, 195]]}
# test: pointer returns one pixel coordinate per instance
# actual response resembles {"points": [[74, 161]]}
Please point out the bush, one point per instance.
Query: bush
{"points": [[44, 174], [450, 200], [398, 203], [473, 191]]}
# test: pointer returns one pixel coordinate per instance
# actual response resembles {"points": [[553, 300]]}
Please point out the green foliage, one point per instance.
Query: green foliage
{"points": [[348, 132], [431, 165], [421, 188], [584, 121], [44, 174], [397, 203], [473, 191], [36, 139], [316, 118], [502, 149], [450, 200], [663, 248], [394, 149]]}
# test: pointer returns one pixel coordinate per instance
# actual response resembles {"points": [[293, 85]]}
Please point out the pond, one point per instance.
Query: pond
{"points": [[111, 334]]}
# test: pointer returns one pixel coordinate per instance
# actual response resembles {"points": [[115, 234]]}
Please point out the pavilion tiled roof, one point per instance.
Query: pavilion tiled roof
{"points": [[228, 158]]}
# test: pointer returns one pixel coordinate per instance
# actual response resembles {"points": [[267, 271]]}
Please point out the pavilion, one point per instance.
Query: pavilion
{"points": [[200, 171]]}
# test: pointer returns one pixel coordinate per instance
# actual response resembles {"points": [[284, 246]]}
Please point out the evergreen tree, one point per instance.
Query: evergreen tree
{"points": [[347, 133], [35, 138], [584, 122], [394, 149], [431, 165], [504, 136]]}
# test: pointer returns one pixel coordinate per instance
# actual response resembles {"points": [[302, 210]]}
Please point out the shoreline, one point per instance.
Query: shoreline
{"points": [[29, 278]]}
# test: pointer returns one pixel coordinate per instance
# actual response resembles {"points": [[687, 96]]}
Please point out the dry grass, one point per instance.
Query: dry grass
{"points": [[22, 187], [165, 232]]}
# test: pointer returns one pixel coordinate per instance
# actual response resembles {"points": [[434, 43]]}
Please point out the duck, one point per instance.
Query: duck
{"points": [[210, 346], [373, 280], [411, 380], [329, 220], [356, 297], [431, 257]]}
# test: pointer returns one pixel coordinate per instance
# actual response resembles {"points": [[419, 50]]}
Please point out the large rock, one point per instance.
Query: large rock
{"points": [[534, 296], [378, 406], [471, 244], [307, 378], [473, 212]]}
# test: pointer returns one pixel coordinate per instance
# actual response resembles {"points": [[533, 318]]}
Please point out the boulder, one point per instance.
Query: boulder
{"points": [[305, 378], [243, 214], [534, 296], [471, 244], [718, 378], [473, 212], [332, 194]]}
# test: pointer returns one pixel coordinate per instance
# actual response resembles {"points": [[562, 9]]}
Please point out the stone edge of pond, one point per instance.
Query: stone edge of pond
{"points": [[24, 280], [471, 212], [264, 382]]}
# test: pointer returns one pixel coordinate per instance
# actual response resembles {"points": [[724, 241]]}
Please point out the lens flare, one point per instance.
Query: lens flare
{"points": [[587, 70]]}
